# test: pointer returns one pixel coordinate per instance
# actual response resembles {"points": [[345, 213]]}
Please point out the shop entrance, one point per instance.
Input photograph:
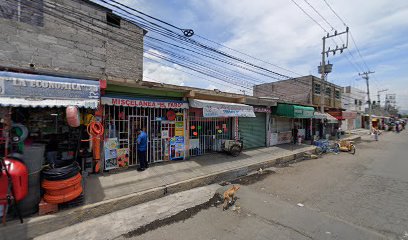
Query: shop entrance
{"points": [[136, 122]]}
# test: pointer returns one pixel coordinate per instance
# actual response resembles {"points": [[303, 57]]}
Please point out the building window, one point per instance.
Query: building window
{"points": [[25, 11], [360, 103], [355, 102], [337, 93], [328, 91], [317, 88], [112, 19]]}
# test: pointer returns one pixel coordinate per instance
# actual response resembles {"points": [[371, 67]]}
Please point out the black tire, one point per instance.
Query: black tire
{"points": [[352, 149], [235, 150], [61, 173]]}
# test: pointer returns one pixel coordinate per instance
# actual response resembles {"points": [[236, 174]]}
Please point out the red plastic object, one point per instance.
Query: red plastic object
{"points": [[72, 116], [19, 176]]}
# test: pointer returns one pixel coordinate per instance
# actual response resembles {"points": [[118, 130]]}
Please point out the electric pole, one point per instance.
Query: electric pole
{"points": [[366, 77], [326, 69]]}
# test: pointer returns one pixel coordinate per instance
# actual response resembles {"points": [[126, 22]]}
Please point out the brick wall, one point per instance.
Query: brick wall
{"points": [[297, 90], [70, 37]]}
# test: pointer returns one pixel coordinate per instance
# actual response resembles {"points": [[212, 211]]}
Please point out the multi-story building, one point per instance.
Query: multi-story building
{"points": [[390, 101], [353, 101], [303, 90]]}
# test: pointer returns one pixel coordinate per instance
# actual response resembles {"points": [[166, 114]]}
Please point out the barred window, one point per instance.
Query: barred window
{"points": [[328, 91], [317, 88], [337, 93]]}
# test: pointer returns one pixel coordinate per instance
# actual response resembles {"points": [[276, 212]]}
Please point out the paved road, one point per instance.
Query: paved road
{"points": [[364, 196]]}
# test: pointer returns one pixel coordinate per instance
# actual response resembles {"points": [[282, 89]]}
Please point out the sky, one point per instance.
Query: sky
{"points": [[278, 32]]}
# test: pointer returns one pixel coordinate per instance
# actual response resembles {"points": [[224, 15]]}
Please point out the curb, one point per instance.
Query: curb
{"points": [[37, 226]]}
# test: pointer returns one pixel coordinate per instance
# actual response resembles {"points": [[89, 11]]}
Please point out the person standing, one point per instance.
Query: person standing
{"points": [[142, 149], [339, 132], [295, 132], [376, 133]]}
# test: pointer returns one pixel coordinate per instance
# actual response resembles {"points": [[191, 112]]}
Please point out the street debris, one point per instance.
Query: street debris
{"points": [[260, 171], [300, 205], [328, 233]]}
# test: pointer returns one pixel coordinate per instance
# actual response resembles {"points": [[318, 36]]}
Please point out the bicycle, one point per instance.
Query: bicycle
{"points": [[326, 147]]}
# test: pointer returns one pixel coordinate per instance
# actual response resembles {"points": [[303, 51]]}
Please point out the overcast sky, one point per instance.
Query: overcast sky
{"points": [[279, 32]]}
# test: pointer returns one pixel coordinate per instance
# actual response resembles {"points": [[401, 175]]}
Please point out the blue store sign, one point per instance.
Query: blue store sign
{"points": [[53, 91]]}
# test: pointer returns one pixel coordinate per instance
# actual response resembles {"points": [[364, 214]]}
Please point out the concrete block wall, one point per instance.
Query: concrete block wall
{"points": [[298, 90], [74, 39]]}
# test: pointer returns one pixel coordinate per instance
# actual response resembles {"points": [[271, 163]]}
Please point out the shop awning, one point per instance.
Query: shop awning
{"points": [[330, 118], [222, 109], [29, 90], [294, 111], [319, 115]]}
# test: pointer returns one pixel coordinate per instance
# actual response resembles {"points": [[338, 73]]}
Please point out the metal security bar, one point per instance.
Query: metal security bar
{"points": [[121, 122], [207, 134]]}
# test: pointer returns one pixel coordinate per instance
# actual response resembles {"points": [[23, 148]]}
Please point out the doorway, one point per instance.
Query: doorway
{"points": [[136, 122]]}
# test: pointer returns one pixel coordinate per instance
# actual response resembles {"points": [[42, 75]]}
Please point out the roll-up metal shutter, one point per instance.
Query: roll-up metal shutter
{"points": [[252, 130]]}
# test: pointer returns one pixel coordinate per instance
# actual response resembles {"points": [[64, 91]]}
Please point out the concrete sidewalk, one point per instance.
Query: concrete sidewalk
{"points": [[109, 186], [113, 192]]}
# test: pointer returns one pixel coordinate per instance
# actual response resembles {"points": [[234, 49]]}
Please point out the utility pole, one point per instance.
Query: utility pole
{"points": [[366, 77], [324, 68], [379, 97]]}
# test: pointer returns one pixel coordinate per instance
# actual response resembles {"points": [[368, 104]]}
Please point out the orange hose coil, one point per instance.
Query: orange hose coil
{"points": [[64, 191], [63, 197], [61, 184]]}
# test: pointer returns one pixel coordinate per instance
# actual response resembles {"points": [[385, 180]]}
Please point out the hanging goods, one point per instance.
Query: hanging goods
{"points": [[73, 118], [19, 132], [95, 130]]}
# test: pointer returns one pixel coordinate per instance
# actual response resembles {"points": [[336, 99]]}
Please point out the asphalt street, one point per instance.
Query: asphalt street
{"points": [[344, 196]]}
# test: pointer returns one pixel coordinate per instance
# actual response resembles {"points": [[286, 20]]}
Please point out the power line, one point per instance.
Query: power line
{"points": [[314, 20], [324, 19], [58, 17]]}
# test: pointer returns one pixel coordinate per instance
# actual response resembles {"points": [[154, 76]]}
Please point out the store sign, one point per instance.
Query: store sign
{"points": [[349, 115], [179, 129], [302, 113], [219, 112], [262, 109], [144, 103], [47, 87]]}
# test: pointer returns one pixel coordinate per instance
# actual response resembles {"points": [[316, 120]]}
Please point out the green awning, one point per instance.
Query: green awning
{"points": [[293, 111]]}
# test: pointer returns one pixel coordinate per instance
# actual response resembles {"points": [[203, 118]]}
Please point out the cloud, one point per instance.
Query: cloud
{"points": [[279, 33]]}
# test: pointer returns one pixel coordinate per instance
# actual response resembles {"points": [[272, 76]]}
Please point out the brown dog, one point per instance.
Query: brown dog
{"points": [[229, 195]]}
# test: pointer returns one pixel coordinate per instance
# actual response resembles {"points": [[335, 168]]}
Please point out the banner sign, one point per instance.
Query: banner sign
{"points": [[219, 112], [262, 109], [111, 154], [144, 103], [177, 148], [30, 86]]}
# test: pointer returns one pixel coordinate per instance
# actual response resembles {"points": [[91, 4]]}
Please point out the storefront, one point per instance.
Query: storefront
{"points": [[211, 122], [253, 131], [43, 119], [164, 122], [289, 119], [348, 120]]}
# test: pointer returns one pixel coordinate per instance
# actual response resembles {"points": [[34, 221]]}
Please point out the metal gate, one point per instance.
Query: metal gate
{"points": [[207, 134], [253, 131], [136, 122]]}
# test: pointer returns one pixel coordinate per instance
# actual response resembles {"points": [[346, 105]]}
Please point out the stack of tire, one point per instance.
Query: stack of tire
{"points": [[62, 184]]}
